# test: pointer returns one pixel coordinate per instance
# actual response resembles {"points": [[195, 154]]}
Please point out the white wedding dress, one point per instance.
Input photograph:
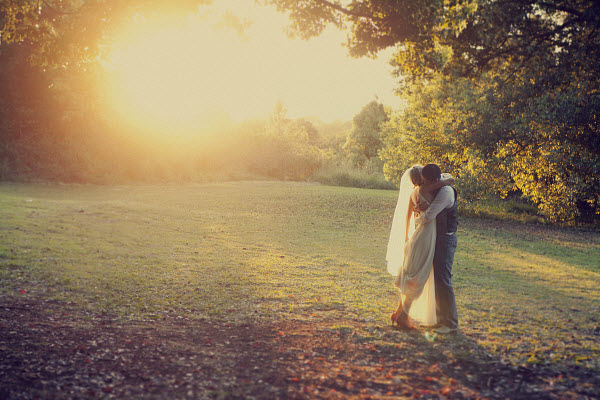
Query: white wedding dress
{"points": [[412, 263]]}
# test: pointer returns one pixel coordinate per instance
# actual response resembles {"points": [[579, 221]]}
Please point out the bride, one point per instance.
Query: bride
{"points": [[410, 251]]}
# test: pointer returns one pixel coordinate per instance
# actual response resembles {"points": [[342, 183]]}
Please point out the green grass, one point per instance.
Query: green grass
{"points": [[212, 248], [263, 250]]}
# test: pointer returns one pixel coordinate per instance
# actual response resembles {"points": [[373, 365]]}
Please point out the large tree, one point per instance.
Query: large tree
{"points": [[455, 36], [364, 139], [507, 87]]}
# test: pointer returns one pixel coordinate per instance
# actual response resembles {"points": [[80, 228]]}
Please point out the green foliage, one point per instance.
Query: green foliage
{"points": [[503, 94], [53, 131], [364, 140], [283, 149], [71, 33], [494, 140], [442, 123], [554, 154], [350, 176], [376, 24]]}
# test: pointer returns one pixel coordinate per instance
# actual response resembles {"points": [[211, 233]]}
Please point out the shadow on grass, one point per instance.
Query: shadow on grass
{"points": [[471, 371], [52, 350], [456, 366]]}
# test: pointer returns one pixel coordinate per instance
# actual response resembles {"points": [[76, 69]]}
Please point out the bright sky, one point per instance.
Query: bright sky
{"points": [[168, 74]]}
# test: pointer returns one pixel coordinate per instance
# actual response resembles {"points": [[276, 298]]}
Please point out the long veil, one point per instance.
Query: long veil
{"points": [[395, 249]]}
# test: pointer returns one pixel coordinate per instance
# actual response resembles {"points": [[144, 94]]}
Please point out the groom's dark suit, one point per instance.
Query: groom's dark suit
{"points": [[445, 210]]}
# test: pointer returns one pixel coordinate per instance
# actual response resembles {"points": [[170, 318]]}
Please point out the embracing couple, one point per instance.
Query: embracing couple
{"points": [[421, 249]]}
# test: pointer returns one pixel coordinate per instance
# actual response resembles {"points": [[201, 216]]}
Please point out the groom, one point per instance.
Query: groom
{"points": [[445, 211]]}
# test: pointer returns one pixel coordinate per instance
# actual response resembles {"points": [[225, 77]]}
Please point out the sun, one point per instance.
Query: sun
{"points": [[185, 75], [173, 77]]}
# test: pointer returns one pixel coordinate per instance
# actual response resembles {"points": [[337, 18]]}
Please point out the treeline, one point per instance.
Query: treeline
{"points": [[502, 94], [54, 128], [531, 138]]}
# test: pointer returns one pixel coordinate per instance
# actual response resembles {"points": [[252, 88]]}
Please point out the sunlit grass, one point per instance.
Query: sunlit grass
{"points": [[271, 251], [533, 286]]}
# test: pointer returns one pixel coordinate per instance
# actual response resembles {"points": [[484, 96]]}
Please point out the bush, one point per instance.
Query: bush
{"points": [[347, 176], [493, 207]]}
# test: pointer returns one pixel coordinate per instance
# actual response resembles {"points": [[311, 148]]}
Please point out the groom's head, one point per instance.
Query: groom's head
{"points": [[431, 173]]}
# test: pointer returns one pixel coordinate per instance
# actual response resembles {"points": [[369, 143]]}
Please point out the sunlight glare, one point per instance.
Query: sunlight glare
{"points": [[173, 77], [176, 76]]}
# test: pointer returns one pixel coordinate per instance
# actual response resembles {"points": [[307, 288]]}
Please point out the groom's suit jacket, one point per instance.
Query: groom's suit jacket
{"points": [[447, 219]]}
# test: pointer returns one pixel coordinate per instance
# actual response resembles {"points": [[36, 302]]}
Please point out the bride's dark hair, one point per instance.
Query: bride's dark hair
{"points": [[415, 175], [431, 172]]}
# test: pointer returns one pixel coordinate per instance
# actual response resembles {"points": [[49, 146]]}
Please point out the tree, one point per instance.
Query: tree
{"points": [[524, 66], [283, 148], [457, 37], [278, 118], [304, 131], [364, 140], [72, 33], [447, 122]]}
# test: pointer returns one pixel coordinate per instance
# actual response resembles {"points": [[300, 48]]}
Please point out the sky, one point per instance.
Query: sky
{"points": [[315, 77], [178, 74]]}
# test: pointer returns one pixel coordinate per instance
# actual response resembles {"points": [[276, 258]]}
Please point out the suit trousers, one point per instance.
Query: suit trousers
{"points": [[445, 247]]}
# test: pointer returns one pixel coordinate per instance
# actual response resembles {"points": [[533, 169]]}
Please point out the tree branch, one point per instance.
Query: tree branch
{"points": [[54, 9], [346, 11], [550, 5], [568, 10]]}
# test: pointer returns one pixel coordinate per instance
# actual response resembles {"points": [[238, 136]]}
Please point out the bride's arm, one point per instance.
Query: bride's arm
{"points": [[411, 207]]}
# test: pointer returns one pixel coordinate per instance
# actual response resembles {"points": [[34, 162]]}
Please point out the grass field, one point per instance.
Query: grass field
{"points": [[306, 261]]}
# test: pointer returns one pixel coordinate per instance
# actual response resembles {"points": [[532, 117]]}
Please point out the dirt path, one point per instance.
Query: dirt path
{"points": [[53, 351]]}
